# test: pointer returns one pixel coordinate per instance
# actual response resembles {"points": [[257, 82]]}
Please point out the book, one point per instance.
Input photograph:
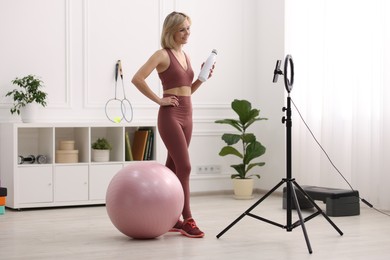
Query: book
{"points": [[139, 144], [149, 155], [149, 145], [128, 152]]}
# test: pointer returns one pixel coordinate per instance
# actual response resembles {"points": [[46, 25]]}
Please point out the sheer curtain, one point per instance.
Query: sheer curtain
{"points": [[341, 55]]}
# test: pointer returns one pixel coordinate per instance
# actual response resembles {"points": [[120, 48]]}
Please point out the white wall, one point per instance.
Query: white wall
{"points": [[74, 45], [271, 100]]}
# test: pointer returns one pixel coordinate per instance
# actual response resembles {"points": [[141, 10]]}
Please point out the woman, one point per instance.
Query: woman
{"points": [[175, 113]]}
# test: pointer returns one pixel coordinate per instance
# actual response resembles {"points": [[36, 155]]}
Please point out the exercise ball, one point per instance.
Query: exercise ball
{"points": [[144, 200]]}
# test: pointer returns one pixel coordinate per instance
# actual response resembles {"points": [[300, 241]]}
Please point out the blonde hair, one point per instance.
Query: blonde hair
{"points": [[171, 25]]}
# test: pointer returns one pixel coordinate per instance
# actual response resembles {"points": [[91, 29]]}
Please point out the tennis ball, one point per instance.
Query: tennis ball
{"points": [[117, 119]]}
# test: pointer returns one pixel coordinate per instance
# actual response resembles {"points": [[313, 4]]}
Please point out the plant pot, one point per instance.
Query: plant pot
{"points": [[29, 113], [100, 155], [243, 189]]}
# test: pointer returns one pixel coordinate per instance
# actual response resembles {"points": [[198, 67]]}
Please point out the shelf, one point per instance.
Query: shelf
{"points": [[80, 137], [50, 183], [111, 134], [35, 142]]}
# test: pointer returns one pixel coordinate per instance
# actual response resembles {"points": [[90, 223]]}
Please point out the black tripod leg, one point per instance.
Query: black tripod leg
{"points": [[298, 209], [318, 208], [231, 225], [250, 209]]}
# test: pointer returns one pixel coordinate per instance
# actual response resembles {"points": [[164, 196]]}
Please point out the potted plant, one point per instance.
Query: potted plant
{"points": [[101, 150], [244, 146], [29, 92]]}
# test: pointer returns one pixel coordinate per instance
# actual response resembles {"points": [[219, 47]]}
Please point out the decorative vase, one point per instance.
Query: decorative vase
{"points": [[243, 189], [100, 155], [29, 113]]}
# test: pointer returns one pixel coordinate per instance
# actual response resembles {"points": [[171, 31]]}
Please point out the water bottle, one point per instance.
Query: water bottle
{"points": [[205, 71]]}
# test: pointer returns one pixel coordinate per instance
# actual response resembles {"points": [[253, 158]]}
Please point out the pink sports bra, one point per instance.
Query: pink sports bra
{"points": [[175, 75]]}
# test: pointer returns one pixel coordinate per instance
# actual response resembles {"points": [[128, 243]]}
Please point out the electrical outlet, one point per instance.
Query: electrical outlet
{"points": [[215, 168], [208, 169]]}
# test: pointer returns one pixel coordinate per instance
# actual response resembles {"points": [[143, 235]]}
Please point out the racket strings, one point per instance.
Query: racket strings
{"points": [[117, 109]]}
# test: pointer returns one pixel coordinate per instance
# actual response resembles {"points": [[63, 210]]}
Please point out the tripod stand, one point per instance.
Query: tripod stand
{"points": [[290, 182]]}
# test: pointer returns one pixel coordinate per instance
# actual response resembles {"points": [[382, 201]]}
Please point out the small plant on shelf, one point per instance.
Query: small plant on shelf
{"points": [[101, 150], [28, 92], [101, 144]]}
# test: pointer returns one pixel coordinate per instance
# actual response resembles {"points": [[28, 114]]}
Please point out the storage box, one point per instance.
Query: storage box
{"points": [[67, 156], [67, 145]]}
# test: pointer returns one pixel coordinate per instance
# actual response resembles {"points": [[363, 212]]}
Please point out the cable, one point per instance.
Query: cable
{"points": [[331, 162]]}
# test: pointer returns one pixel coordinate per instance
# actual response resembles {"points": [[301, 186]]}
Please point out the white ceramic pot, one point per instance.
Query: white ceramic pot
{"points": [[100, 155], [243, 188], [29, 113]]}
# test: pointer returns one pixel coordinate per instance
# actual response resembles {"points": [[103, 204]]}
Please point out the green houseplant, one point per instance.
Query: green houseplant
{"points": [[101, 144], [29, 91], [243, 144], [101, 150]]}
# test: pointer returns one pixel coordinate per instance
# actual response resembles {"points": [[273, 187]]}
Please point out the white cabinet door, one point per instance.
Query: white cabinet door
{"points": [[35, 184], [99, 179], [70, 182]]}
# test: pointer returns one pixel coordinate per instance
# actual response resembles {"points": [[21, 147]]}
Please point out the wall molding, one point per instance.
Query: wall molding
{"points": [[67, 30], [207, 133], [85, 49], [213, 106], [68, 52], [68, 59], [164, 7]]}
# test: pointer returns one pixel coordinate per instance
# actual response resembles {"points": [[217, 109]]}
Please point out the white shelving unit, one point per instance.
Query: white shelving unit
{"points": [[52, 184]]}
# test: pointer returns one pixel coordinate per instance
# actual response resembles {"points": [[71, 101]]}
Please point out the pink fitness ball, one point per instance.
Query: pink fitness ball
{"points": [[144, 200]]}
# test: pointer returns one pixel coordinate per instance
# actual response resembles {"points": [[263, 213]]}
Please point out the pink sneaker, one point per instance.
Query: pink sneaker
{"points": [[189, 229], [177, 227]]}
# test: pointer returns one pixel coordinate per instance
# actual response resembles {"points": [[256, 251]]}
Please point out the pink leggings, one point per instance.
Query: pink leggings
{"points": [[175, 128]]}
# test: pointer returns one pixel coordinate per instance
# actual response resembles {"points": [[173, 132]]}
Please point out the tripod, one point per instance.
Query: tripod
{"points": [[289, 181]]}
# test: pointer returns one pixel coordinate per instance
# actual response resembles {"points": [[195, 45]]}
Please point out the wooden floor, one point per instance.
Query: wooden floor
{"points": [[87, 233]]}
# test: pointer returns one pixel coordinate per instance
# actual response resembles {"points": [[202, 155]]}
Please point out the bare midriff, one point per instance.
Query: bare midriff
{"points": [[179, 91]]}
